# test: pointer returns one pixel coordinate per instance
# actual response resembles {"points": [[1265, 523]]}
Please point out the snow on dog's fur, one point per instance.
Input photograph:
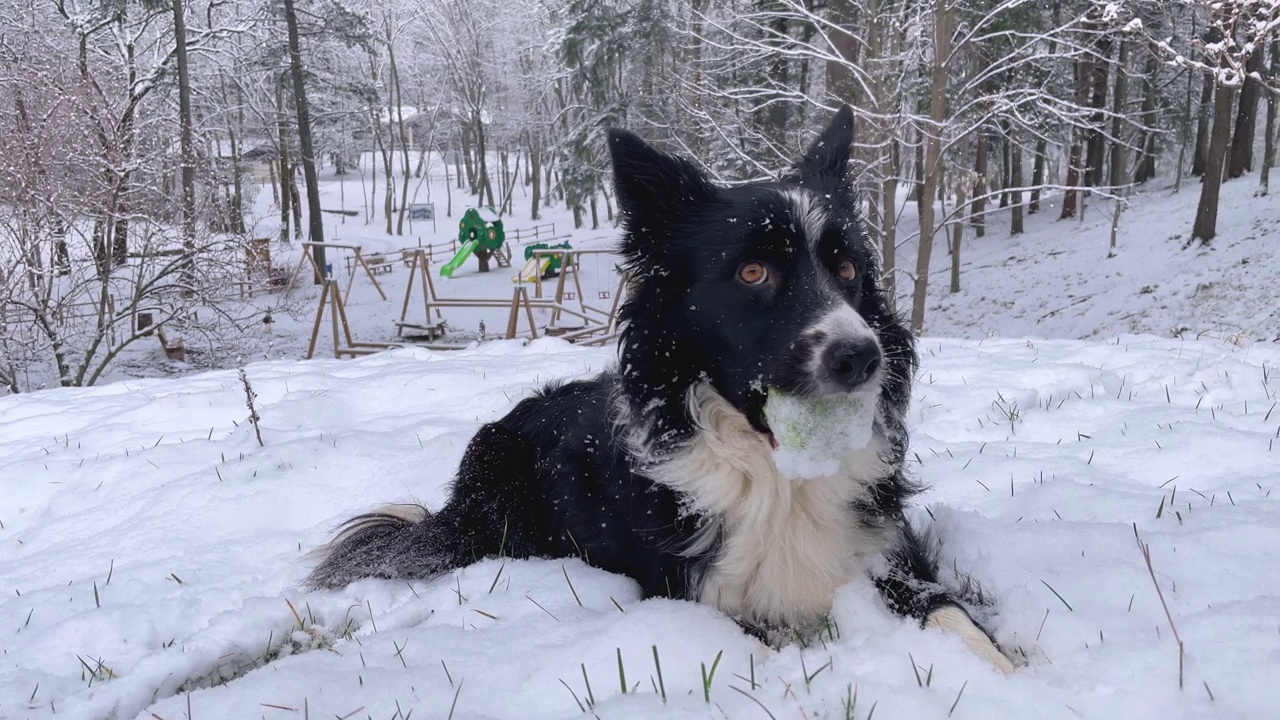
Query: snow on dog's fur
{"points": [[663, 469]]}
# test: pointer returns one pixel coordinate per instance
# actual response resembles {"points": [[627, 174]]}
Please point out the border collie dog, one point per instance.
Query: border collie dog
{"points": [[664, 469]]}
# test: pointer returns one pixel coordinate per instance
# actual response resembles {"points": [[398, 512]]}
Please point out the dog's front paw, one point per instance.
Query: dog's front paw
{"points": [[953, 619]]}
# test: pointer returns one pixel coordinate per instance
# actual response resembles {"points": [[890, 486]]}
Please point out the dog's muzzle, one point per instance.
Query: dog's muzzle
{"points": [[848, 363]]}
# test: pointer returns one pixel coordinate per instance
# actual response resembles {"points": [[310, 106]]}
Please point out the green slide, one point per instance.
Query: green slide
{"points": [[447, 269]]}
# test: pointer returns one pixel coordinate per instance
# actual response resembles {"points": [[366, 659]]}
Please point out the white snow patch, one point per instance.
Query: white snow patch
{"points": [[142, 529]]}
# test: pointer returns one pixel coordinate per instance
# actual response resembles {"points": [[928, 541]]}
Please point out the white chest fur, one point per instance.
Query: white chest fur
{"points": [[786, 545]]}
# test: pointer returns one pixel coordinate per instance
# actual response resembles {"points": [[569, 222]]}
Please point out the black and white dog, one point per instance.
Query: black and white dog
{"points": [[664, 469]]}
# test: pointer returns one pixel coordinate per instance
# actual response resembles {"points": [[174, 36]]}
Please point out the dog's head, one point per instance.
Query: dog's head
{"points": [[768, 285]]}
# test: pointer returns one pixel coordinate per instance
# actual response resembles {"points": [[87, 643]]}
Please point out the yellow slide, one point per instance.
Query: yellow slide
{"points": [[532, 270]]}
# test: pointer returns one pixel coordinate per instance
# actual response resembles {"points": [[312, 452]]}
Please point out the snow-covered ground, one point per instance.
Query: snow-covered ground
{"points": [[1058, 281], [151, 550]]}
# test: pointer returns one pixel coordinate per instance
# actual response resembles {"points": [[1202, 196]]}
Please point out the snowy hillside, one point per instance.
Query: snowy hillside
{"points": [[1057, 280], [151, 550]]}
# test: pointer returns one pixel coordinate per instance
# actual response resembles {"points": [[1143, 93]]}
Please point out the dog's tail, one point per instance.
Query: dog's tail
{"points": [[489, 512], [394, 541]]}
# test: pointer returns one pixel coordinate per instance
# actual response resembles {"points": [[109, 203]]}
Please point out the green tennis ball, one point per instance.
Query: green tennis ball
{"points": [[812, 434]]}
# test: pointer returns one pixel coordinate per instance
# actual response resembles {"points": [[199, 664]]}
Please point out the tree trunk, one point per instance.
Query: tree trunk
{"points": [[237, 172], [1240, 156], [1206, 223], [282, 154], [932, 157], [119, 230], [389, 159], [917, 189], [295, 203], [774, 120], [1184, 135], [1118, 175], [535, 176], [1037, 176], [978, 215], [1200, 160], [1097, 147], [841, 83], [467, 165], [315, 221], [485, 187], [404, 133], [1075, 157], [1015, 183], [187, 144], [448, 185], [889, 220], [506, 181], [1070, 195], [1273, 110], [957, 234], [1115, 224], [1145, 167], [1006, 165]]}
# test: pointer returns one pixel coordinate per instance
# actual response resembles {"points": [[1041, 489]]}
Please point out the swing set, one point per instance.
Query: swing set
{"points": [[571, 317], [596, 321], [596, 325]]}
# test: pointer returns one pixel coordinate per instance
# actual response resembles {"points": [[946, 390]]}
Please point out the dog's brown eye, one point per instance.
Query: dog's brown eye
{"points": [[848, 270], [753, 273]]}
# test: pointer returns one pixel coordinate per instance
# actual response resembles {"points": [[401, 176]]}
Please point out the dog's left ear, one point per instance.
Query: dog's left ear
{"points": [[829, 155]]}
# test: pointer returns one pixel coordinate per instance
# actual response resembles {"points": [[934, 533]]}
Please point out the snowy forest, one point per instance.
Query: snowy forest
{"points": [[135, 136]]}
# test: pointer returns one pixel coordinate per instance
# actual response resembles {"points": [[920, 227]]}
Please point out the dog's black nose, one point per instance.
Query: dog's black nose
{"points": [[850, 363]]}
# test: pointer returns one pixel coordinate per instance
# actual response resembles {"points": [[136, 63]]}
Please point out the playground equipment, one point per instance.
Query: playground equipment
{"points": [[331, 297], [321, 274], [595, 326], [419, 262], [543, 266], [598, 327], [479, 231], [432, 302], [598, 324]]}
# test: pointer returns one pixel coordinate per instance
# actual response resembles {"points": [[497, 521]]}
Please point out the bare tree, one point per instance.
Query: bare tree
{"points": [[186, 142], [311, 178], [1273, 111], [943, 14]]}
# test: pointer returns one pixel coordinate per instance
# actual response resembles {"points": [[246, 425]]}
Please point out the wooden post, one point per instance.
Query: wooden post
{"points": [[332, 287], [528, 313], [514, 316], [408, 293], [346, 326], [555, 313], [315, 328], [367, 271]]}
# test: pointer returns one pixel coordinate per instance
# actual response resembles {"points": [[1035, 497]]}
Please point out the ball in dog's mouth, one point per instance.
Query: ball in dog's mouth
{"points": [[810, 435]]}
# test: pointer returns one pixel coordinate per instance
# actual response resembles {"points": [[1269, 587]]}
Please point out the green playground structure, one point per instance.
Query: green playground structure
{"points": [[479, 232], [540, 266], [468, 247]]}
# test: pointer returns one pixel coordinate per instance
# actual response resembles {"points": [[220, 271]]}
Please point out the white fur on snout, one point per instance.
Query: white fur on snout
{"points": [[843, 323], [956, 621]]}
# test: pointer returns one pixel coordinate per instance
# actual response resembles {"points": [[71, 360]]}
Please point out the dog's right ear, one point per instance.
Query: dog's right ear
{"points": [[651, 184], [828, 156]]}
